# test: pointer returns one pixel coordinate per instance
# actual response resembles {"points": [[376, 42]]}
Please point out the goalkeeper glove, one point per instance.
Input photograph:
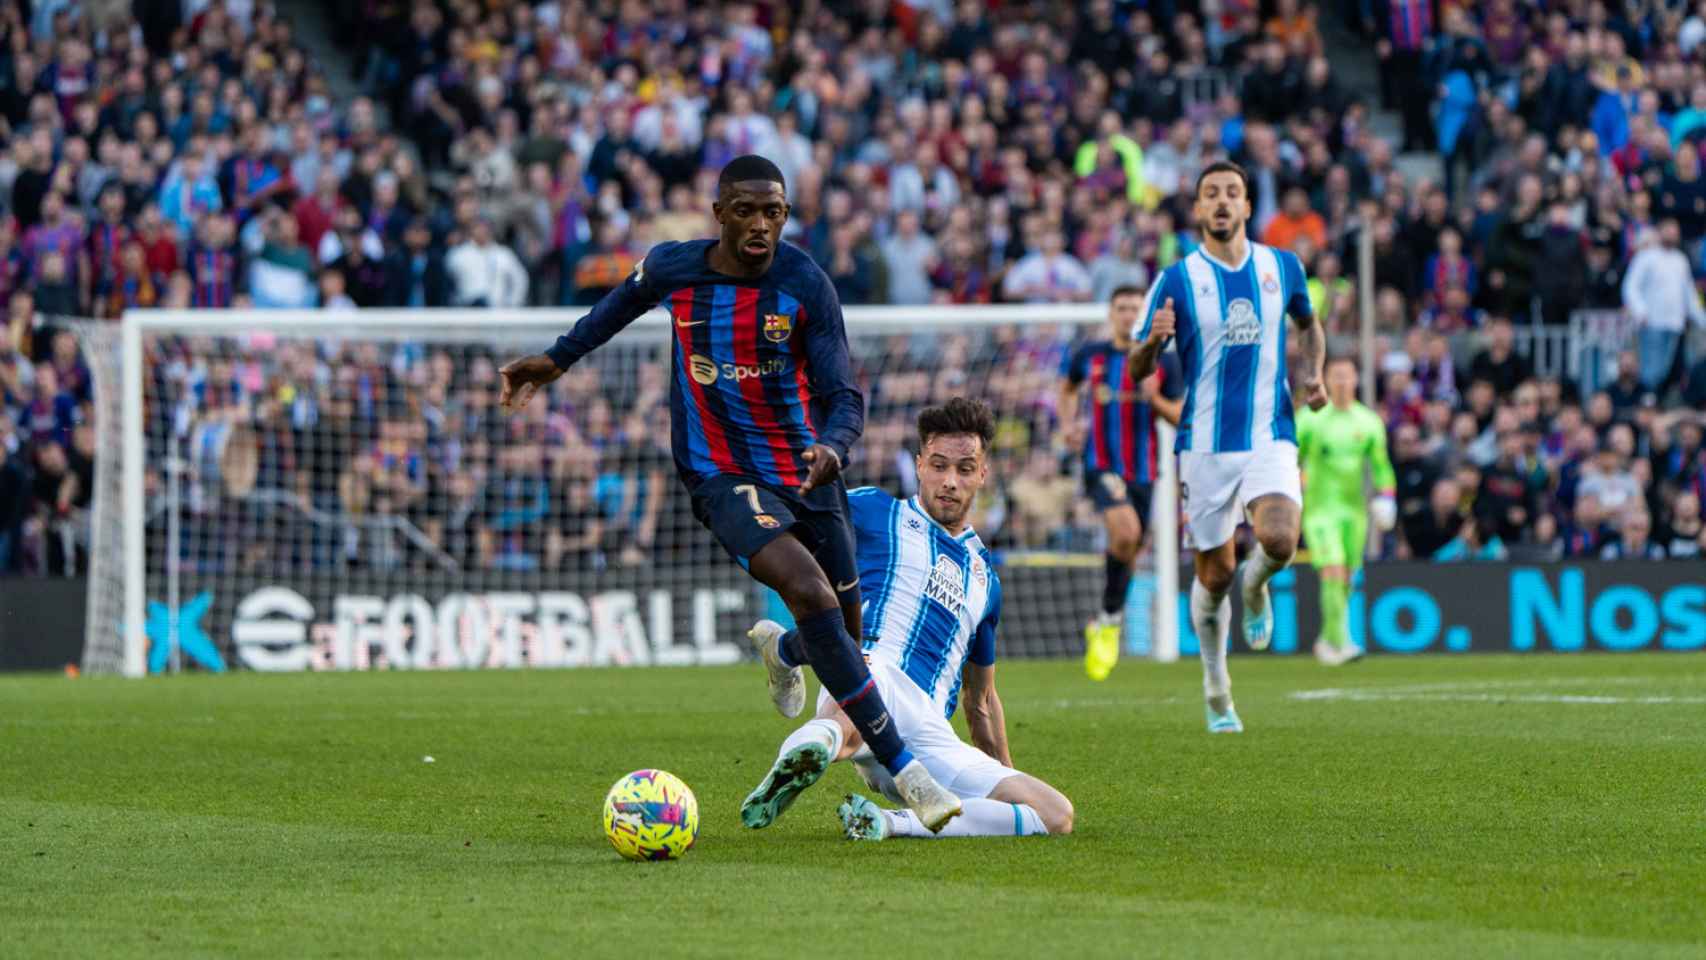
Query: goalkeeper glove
{"points": [[1384, 511]]}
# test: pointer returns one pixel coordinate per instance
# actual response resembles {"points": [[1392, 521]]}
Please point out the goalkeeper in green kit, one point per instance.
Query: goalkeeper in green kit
{"points": [[1333, 446]]}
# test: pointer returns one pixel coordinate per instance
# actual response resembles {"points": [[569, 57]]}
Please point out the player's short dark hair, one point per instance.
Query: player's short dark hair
{"points": [[747, 168], [1222, 166], [1126, 290], [959, 416], [1349, 358]]}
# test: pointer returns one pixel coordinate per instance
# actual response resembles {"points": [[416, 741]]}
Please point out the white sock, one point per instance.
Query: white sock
{"points": [[1258, 570], [978, 818], [1211, 617], [826, 732]]}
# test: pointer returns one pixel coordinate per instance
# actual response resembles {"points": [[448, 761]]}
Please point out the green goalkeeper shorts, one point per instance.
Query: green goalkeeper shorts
{"points": [[1335, 538]]}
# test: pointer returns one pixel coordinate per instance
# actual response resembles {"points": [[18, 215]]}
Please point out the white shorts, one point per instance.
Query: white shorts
{"points": [[1217, 487], [963, 769]]}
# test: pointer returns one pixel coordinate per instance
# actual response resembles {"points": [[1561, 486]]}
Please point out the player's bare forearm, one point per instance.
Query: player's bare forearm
{"points": [[1168, 410], [1312, 343], [990, 732], [986, 722], [1144, 357]]}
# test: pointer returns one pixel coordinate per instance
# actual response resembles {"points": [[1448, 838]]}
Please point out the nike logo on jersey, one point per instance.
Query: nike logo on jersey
{"points": [[684, 322], [844, 587]]}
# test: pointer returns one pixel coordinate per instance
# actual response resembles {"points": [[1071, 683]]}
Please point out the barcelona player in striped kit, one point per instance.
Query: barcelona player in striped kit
{"points": [[1227, 305], [1115, 425], [763, 409]]}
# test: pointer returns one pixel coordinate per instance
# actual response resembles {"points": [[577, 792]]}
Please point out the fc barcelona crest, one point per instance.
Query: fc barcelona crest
{"points": [[778, 327]]}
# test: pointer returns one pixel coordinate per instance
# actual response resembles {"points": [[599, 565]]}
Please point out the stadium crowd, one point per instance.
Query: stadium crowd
{"points": [[192, 155]]}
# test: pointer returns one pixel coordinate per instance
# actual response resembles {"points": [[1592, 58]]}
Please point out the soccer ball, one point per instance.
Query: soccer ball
{"points": [[651, 815]]}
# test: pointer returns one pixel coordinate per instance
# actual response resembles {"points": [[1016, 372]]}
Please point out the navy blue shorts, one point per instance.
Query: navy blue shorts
{"points": [[1107, 490], [746, 514]]}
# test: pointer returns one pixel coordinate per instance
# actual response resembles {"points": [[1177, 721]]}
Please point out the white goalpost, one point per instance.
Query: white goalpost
{"points": [[316, 490]]}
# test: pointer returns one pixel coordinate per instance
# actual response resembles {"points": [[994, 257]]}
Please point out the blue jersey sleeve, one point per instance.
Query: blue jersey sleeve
{"points": [[1164, 288], [615, 310], [982, 650], [868, 512], [1076, 367], [1296, 286], [830, 374]]}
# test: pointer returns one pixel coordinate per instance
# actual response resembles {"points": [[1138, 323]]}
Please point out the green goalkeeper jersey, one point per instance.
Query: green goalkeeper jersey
{"points": [[1332, 447]]}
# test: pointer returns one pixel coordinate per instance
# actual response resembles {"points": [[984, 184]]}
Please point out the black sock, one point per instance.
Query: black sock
{"points": [[1114, 587], [792, 649], [840, 667]]}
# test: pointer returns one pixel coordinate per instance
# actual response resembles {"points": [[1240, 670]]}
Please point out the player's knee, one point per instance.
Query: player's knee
{"points": [[1279, 544], [1057, 815], [806, 592], [1216, 577], [1123, 541]]}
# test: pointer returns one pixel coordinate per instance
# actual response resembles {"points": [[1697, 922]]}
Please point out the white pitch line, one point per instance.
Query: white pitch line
{"points": [[1377, 696]]}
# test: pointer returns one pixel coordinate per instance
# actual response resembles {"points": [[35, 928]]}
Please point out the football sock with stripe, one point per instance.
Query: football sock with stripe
{"points": [[1262, 568], [1211, 617], [840, 667], [826, 732], [978, 818], [1335, 595], [1116, 579], [791, 649]]}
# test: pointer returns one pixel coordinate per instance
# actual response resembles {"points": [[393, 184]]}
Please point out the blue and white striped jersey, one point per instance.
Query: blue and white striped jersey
{"points": [[1231, 342], [931, 599]]}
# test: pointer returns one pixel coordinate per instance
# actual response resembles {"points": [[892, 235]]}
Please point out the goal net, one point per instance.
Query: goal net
{"points": [[314, 490]]}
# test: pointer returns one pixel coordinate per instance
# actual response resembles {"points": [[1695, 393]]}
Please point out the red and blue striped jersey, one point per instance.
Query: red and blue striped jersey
{"points": [[760, 370], [1122, 428]]}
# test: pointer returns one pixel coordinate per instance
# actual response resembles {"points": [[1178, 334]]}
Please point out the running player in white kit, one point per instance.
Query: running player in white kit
{"points": [[1226, 305]]}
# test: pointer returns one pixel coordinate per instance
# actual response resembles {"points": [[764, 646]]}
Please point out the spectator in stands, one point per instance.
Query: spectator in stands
{"points": [[415, 274], [1295, 220], [1633, 542], [1659, 292], [909, 257], [1626, 392], [485, 273], [1439, 524], [1684, 533], [1498, 363], [1049, 275]]}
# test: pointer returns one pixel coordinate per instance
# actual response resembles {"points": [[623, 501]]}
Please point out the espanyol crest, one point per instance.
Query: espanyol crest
{"points": [[1242, 324], [1269, 284]]}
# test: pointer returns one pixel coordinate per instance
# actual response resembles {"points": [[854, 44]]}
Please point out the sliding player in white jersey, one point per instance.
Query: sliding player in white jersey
{"points": [[1227, 304], [932, 604]]}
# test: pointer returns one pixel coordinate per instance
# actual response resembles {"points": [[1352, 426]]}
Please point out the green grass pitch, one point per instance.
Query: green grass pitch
{"points": [[1472, 806]]}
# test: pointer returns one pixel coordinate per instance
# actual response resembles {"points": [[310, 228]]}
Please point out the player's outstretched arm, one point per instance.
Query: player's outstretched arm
{"points": [[830, 376], [614, 311], [985, 719]]}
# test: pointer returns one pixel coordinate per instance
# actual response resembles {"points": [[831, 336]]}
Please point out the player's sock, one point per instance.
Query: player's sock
{"points": [[1211, 617], [791, 650], [1260, 568], [836, 660], [826, 732], [978, 818], [1116, 579], [1334, 599]]}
